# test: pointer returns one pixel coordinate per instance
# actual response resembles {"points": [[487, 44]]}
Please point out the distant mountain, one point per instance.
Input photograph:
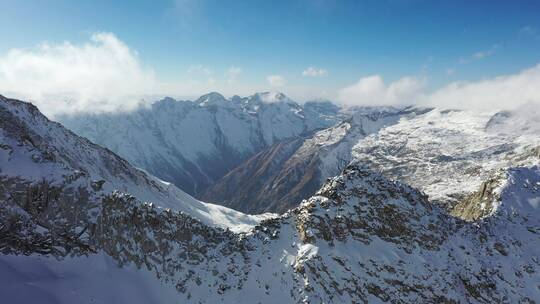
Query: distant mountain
{"points": [[73, 229], [194, 143], [279, 177]]}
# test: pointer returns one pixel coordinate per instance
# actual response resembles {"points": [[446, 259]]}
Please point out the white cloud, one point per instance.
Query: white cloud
{"points": [[101, 75], [372, 90], [276, 81], [314, 72], [200, 74], [199, 69], [104, 74], [503, 92], [232, 74]]}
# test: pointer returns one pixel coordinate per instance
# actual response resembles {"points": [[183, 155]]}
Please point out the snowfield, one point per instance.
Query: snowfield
{"points": [[449, 153]]}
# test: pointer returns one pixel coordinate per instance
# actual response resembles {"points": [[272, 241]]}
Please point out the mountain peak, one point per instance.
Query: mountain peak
{"points": [[211, 98]]}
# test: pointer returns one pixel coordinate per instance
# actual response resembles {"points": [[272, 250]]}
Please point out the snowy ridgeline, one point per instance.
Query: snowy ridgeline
{"points": [[194, 143], [67, 235], [36, 150], [361, 238], [281, 176], [447, 154]]}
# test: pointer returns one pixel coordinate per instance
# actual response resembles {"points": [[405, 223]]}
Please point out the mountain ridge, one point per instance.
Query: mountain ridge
{"points": [[361, 238], [278, 178], [193, 143]]}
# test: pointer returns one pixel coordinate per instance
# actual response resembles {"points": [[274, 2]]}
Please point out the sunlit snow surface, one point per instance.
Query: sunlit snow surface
{"points": [[450, 153]]}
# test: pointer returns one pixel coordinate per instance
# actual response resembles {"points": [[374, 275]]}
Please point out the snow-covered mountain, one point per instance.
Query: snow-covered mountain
{"points": [[194, 143], [279, 177], [449, 153], [41, 162], [446, 153], [75, 228]]}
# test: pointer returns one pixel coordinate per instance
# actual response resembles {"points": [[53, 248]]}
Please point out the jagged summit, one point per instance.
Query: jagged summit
{"points": [[360, 204], [192, 144], [212, 98]]}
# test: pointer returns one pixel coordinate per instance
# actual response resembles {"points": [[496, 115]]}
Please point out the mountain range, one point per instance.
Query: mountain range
{"points": [[194, 143], [376, 205]]}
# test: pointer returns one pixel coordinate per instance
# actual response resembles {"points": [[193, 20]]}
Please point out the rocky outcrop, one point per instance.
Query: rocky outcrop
{"points": [[362, 238], [360, 205], [479, 204]]}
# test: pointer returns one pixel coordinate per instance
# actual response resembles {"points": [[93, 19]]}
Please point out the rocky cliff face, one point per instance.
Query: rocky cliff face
{"points": [[362, 238], [194, 143]]}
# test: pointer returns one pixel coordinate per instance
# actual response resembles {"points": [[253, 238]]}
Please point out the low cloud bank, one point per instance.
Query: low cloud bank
{"points": [[372, 90], [102, 75], [503, 92]]}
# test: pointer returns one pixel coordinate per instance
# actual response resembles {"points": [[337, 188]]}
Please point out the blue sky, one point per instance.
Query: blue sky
{"points": [[437, 41]]}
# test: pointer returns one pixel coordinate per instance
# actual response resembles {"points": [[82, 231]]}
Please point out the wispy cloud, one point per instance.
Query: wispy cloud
{"points": [[479, 55], [199, 69], [232, 74], [314, 72], [276, 81], [185, 7], [530, 31], [200, 74]]}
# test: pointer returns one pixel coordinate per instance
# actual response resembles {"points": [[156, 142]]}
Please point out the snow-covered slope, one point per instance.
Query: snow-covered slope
{"points": [[38, 153], [279, 177], [448, 154], [67, 237], [362, 238], [388, 238], [194, 143]]}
